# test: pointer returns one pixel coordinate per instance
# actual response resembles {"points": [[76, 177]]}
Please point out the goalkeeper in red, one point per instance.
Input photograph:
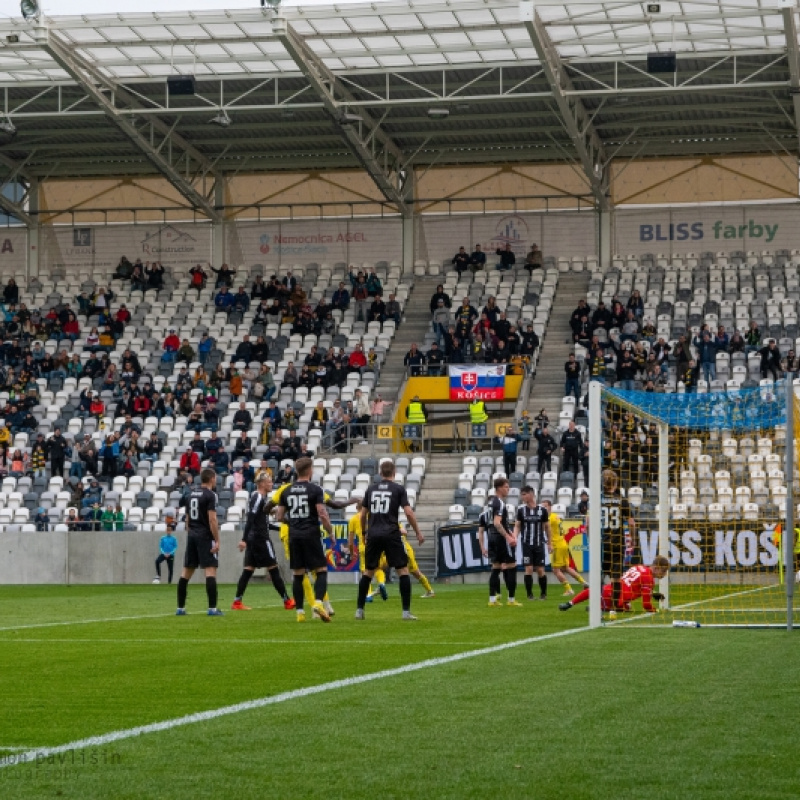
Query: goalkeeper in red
{"points": [[637, 582]]}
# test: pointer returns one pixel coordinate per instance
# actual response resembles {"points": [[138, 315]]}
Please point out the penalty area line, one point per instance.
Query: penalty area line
{"points": [[295, 694]]}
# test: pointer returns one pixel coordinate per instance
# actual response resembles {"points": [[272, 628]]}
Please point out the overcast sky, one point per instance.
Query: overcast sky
{"points": [[57, 8]]}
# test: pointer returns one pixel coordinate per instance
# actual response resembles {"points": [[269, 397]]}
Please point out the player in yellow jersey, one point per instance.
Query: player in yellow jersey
{"points": [[354, 533], [413, 568], [308, 591], [559, 553]]}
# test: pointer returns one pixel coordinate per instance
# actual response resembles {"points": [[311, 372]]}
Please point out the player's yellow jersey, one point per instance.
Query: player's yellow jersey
{"points": [[556, 537], [354, 530]]}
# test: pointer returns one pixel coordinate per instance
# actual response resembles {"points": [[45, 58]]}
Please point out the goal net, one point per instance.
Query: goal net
{"points": [[702, 480]]}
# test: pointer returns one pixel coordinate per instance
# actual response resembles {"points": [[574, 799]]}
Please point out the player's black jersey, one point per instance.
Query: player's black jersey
{"points": [[300, 501], [383, 502], [532, 522], [497, 508], [257, 524], [616, 511], [200, 502], [485, 518]]}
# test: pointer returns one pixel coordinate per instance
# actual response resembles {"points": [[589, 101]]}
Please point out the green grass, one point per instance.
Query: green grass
{"points": [[658, 713]]}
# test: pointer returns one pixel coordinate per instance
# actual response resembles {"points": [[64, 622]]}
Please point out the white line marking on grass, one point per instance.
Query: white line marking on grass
{"points": [[110, 619], [724, 597], [221, 641], [295, 694], [9, 747], [684, 606]]}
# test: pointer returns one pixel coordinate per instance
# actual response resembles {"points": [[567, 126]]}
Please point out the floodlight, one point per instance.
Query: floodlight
{"points": [[273, 4], [438, 113], [7, 126], [30, 9], [222, 119]]}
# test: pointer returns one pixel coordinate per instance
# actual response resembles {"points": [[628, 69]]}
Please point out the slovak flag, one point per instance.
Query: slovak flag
{"points": [[481, 381]]}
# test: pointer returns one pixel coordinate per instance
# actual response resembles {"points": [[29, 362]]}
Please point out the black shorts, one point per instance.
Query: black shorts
{"points": [[499, 551], [308, 554], [533, 555], [260, 553], [391, 546], [198, 553], [613, 556]]}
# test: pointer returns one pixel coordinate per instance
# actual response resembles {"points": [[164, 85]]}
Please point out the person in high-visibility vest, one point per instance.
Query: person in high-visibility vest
{"points": [[415, 413], [477, 412]]}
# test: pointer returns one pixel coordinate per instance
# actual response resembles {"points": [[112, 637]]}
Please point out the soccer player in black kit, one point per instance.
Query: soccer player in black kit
{"points": [[302, 508], [615, 514], [502, 544], [533, 526], [257, 546], [380, 522], [202, 543]]}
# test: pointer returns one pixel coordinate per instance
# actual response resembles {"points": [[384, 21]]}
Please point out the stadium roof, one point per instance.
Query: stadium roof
{"points": [[390, 85]]}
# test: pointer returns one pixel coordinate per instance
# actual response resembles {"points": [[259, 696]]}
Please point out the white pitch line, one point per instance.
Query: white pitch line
{"points": [[254, 640], [684, 606], [295, 694], [109, 619]]}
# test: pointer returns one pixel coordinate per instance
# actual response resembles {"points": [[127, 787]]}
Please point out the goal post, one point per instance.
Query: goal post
{"points": [[708, 480]]}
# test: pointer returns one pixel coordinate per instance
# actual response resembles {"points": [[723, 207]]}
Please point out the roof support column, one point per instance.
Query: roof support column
{"points": [[604, 228], [218, 225], [32, 260], [793, 57], [378, 154], [182, 166], [574, 116]]}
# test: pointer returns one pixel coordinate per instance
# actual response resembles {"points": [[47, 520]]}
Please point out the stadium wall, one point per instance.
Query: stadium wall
{"points": [[102, 557]]}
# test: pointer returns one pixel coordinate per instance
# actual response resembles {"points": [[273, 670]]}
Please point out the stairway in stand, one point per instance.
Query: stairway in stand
{"points": [[547, 390], [441, 480], [416, 323]]}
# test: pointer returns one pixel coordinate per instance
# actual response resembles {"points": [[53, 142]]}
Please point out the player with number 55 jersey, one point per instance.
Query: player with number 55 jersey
{"points": [[380, 512]]}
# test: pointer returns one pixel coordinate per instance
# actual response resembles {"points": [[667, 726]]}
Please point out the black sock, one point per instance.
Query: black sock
{"points": [[494, 583], [244, 579], [297, 591], [170, 564], [211, 591], [277, 582], [158, 567], [616, 593], [405, 591], [543, 585], [321, 585], [363, 590], [529, 585], [183, 584], [510, 577]]}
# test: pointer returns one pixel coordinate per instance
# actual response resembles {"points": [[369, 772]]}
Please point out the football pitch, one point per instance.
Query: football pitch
{"points": [[106, 694]]}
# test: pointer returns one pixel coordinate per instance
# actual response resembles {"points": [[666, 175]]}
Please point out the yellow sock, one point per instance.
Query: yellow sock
{"points": [[308, 591], [425, 583], [326, 599], [380, 576]]}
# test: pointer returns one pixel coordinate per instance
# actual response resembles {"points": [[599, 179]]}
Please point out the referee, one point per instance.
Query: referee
{"points": [[202, 542], [533, 524], [380, 511], [257, 546]]}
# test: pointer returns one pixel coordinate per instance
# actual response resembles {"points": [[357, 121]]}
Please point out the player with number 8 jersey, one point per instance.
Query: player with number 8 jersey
{"points": [[202, 542]]}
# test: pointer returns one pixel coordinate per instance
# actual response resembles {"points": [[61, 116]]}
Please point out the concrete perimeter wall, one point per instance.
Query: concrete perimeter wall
{"points": [[57, 557]]}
